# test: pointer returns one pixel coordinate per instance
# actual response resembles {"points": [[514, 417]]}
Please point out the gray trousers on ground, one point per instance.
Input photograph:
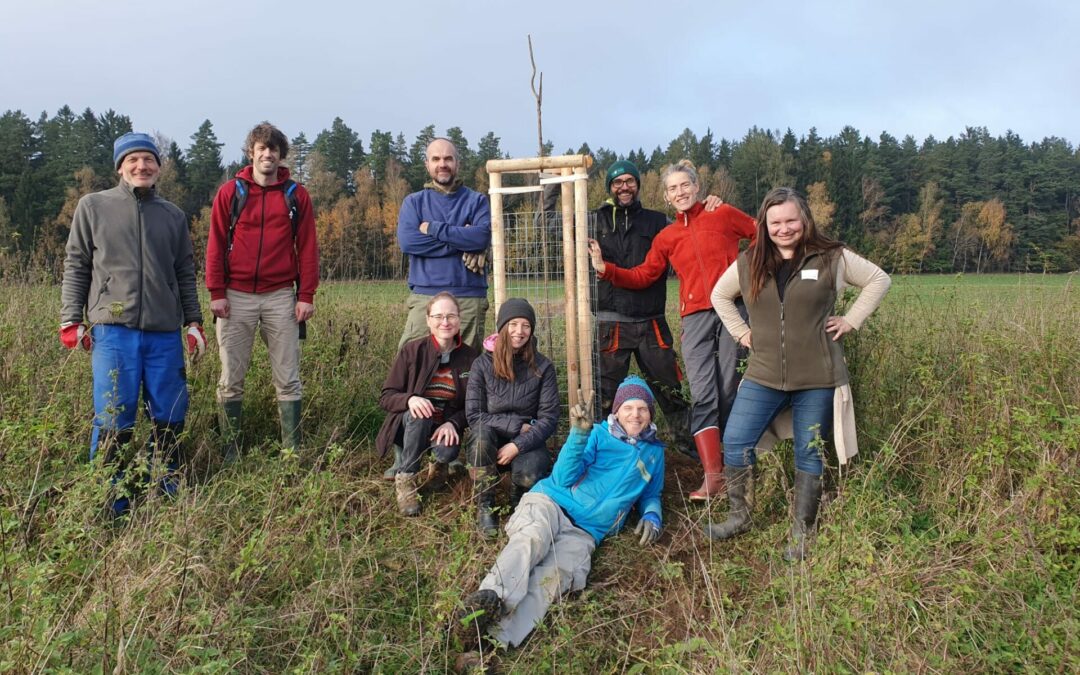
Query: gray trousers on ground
{"points": [[274, 315], [712, 361], [546, 557], [473, 313]]}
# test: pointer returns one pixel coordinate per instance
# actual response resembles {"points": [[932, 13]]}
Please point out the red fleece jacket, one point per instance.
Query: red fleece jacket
{"points": [[263, 257], [699, 245]]}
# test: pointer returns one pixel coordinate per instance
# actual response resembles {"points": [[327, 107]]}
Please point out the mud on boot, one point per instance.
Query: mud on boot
{"points": [[807, 499], [738, 520], [406, 492], [482, 608]]}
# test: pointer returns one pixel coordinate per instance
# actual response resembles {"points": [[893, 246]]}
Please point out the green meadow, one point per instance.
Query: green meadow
{"points": [[950, 544]]}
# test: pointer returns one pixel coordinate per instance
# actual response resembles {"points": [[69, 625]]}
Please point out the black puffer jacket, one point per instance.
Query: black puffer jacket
{"points": [[505, 405], [625, 235]]}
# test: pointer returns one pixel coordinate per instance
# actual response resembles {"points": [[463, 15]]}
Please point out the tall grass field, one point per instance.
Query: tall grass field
{"points": [[951, 544]]}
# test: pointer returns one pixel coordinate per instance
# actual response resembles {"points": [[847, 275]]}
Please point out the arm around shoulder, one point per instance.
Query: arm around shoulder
{"points": [[723, 301]]}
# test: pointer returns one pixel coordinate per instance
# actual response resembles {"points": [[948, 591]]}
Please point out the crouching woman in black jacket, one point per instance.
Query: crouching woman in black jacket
{"points": [[512, 405]]}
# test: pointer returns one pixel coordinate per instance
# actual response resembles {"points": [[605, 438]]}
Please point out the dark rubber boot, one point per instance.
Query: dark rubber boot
{"points": [[392, 471], [114, 448], [807, 499], [290, 424], [471, 623], [229, 418], [516, 493], [165, 446], [485, 483], [738, 520], [711, 452]]}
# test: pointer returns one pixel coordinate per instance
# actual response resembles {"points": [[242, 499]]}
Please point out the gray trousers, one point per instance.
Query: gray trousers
{"points": [[546, 557], [473, 312], [712, 361]]}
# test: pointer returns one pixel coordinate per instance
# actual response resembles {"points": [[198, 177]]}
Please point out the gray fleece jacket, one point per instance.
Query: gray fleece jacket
{"points": [[129, 262]]}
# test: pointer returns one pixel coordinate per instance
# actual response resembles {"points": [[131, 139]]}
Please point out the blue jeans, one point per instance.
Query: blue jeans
{"points": [[756, 406], [127, 362]]}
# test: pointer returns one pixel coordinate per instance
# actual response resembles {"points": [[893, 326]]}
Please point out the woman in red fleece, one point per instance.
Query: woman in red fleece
{"points": [[700, 246]]}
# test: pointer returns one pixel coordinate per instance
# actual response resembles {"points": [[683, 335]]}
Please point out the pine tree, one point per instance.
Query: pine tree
{"points": [[204, 169], [341, 150]]}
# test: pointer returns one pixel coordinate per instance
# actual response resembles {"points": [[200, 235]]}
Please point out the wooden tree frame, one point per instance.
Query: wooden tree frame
{"points": [[573, 176]]}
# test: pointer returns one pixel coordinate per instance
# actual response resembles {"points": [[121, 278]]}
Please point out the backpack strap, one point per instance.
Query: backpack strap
{"points": [[240, 195], [290, 202]]}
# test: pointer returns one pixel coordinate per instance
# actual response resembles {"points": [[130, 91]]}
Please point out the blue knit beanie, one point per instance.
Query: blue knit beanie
{"points": [[133, 142], [619, 168], [634, 387]]}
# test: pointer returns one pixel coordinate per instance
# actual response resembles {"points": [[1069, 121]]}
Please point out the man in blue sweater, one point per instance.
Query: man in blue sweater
{"points": [[445, 229], [602, 471]]}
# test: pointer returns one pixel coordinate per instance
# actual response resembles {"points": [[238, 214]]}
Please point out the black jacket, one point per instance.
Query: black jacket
{"points": [[505, 405], [625, 235]]}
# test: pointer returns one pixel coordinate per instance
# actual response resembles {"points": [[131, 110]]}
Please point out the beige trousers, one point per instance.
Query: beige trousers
{"points": [[274, 315]]}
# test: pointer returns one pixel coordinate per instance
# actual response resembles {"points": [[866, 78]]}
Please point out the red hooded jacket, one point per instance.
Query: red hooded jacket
{"points": [[700, 245], [263, 257]]}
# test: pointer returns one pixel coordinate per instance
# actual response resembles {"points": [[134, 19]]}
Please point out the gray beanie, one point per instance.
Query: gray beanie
{"points": [[133, 142], [515, 308]]}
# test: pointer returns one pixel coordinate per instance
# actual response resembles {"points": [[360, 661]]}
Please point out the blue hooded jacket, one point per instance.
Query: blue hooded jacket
{"points": [[458, 222], [598, 478]]}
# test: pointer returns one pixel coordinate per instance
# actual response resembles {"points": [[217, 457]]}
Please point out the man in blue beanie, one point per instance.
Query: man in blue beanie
{"points": [[128, 289], [601, 473]]}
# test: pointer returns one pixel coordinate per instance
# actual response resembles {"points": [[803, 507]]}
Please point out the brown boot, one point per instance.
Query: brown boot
{"points": [[711, 452], [405, 488]]}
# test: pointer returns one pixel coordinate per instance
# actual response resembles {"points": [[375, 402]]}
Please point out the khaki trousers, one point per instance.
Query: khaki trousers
{"points": [[274, 315], [473, 313]]}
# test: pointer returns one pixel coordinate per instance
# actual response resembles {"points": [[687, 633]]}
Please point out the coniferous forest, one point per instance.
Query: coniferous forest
{"points": [[968, 203]]}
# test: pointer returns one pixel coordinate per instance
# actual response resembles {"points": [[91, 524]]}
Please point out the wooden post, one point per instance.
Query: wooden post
{"points": [[498, 242], [581, 241], [570, 292]]}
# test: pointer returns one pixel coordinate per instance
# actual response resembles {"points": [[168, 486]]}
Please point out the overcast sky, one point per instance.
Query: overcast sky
{"points": [[620, 75]]}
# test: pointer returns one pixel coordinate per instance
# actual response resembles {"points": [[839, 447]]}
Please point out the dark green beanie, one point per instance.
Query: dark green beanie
{"points": [[619, 168]]}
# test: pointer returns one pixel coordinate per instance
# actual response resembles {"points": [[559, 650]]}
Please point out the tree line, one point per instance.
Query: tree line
{"points": [[971, 203]]}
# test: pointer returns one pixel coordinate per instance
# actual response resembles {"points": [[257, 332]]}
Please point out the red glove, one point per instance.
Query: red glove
{"points": [[75, 334], [196, 342]]}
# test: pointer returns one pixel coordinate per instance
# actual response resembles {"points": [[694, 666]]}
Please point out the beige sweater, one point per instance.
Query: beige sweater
{"points": [[853, 270]]}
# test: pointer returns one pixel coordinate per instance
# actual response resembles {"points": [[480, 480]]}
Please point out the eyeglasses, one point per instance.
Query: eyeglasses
{"points": [[439, 318], [624, 182]]}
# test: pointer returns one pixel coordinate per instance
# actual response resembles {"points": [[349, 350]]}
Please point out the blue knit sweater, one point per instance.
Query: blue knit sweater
{"points": [[458, 222]]}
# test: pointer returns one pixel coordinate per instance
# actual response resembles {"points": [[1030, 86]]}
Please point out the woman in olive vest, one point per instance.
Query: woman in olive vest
{"points": [[789, 279]]}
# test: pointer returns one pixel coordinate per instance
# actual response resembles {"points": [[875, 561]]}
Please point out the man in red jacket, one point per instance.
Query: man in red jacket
{"points": [[262, 270]]}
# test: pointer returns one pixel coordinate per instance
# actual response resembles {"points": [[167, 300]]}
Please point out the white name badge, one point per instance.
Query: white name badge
{"points": [[809, 274]]}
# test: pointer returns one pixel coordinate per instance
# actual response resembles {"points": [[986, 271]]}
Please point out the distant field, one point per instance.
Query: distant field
{"points": [[951, 544]]}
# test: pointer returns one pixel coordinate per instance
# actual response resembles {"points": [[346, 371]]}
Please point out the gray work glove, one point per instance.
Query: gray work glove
{"points": [[475, 262], [580, 417], [649, 529]]}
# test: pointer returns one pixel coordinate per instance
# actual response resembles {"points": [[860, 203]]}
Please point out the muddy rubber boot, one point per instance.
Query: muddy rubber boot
{"points": [[437, 475], [485, 483], [229, 417], [289, 412], [390, 473], [711, 452], [165, 445], [405, 489], [738, 520], [471, 623], [807, 499]]}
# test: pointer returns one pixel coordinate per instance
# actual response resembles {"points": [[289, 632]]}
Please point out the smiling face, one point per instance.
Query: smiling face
{"points": [[519, 331], [680, 191], [444, 320], [785, 227], [624, 190], [140, 169], [634, 416], [441, 162], [265, 159]]}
